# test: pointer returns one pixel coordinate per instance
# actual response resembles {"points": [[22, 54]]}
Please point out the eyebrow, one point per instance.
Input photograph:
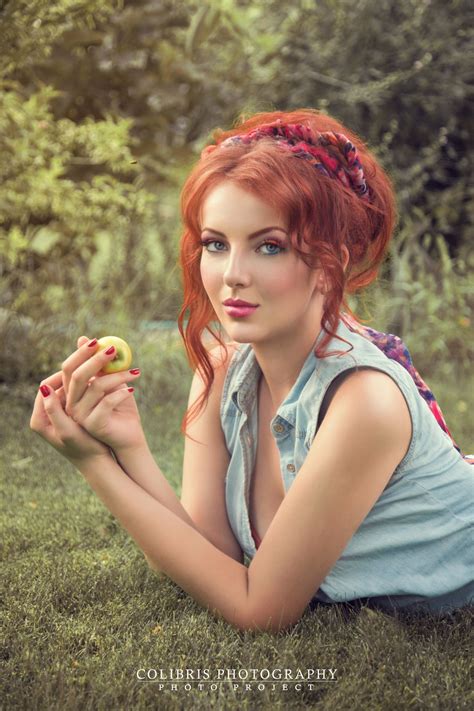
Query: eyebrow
{"points": [[251, 236]]}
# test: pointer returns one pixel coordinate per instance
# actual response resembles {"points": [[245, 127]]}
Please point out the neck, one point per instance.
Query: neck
{"points": [[281, 363]]}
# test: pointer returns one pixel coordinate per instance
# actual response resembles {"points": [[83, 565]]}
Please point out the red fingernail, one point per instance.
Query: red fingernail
{"points": [[130, 390], [44, 390], [110, 350], [135, 371], [92, 343]]}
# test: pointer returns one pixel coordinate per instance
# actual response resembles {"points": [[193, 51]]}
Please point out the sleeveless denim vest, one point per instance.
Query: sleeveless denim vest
{"points": [[415, 546]]}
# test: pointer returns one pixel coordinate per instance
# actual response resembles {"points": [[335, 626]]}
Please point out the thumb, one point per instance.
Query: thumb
{"points": [[64, 426]]}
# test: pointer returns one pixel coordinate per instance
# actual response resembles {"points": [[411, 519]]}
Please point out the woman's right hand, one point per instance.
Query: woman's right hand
{"points": [[82, 391]]}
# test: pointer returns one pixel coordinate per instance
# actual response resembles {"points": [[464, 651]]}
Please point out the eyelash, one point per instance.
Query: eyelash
{"points": [[204, 243]]}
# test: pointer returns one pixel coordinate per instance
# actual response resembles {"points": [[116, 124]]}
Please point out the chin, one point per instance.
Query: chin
{"points": [[238, 336], [236, 328], [244, 333]]}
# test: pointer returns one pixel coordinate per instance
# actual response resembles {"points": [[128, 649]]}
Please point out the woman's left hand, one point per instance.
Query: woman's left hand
{"points": [[50, 421], [93, 406]]}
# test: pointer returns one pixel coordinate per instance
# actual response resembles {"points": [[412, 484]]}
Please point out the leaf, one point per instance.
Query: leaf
{"points": [[44, 240], [202, 24]]}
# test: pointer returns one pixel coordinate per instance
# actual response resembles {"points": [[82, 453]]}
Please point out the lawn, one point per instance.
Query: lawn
{"points": [[82, 612]]}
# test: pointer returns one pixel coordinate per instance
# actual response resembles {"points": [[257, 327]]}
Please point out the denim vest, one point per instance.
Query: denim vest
{"points": [[415, 546]]}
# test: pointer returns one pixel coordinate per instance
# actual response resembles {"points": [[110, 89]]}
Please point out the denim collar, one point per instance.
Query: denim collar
{"points": [[244, 392]]}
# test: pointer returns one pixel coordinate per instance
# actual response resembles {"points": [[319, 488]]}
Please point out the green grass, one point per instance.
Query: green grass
{"points": [[81, 610]]}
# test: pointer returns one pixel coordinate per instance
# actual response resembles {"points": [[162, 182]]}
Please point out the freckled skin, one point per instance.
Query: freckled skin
{"points": [[286, 289]]}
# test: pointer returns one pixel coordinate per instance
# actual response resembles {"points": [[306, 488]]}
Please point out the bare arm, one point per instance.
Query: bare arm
{"points": [[205, 464], [212, 578], [324, 507], [352, 457], [141, 467]]}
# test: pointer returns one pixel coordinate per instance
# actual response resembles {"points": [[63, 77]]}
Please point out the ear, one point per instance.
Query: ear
{"points": [[322, 282]]}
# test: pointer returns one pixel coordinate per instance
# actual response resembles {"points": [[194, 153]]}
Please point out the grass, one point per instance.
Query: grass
{"points": [[82, 612]]}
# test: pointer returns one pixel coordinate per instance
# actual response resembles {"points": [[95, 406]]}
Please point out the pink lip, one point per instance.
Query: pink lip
{"points": [[240, 311], [237, 302]]}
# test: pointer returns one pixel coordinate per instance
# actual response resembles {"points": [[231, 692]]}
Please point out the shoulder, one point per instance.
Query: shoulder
{"points": [[370, 405], [378, 388]]}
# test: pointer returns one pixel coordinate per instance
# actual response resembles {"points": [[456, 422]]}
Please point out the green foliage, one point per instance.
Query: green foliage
{"points": [[399, 74], [106, 105], [426, 295], [63, 186], [31, 27], [41, 198]]}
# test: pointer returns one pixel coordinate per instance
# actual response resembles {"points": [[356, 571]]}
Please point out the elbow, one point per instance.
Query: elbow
{"points": [[269, 611], [268, 619], [267, 624]]}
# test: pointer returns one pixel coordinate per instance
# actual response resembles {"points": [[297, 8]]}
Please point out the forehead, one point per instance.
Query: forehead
{"points": [[229, 202]]}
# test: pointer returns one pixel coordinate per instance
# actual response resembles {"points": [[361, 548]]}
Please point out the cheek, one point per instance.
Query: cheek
{"points": [[209, 276], [287, 284], [276, 288]]}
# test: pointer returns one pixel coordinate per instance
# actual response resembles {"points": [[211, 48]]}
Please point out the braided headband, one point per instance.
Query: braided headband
{"points": [[341, 161]]}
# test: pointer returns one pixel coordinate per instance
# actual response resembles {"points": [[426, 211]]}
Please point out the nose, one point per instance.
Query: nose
{"points": [[236, 272]]}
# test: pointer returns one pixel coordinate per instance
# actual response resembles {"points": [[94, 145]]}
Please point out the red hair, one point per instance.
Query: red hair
{"points": [[322, 216]]}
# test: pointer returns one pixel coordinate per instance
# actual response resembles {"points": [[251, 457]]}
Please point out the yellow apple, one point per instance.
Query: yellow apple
{"points": [[123, 354]]}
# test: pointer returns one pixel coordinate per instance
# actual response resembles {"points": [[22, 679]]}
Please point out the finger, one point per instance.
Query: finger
{"points": [[82, 340], [55, 380], [39, 421], [79, 381], [62, 423], [49, 418], [97, 389], [82, 354], [60, 392], [98, 419]]}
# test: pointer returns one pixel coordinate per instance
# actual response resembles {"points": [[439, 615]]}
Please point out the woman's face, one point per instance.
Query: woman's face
{"points": [[261, 269]]}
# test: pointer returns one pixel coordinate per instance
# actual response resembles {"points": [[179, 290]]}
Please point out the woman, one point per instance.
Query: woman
{"points": [[309, 437]]}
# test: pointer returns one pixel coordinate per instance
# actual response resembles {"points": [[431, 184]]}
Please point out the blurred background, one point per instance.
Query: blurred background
{"points": [[105, 106]]}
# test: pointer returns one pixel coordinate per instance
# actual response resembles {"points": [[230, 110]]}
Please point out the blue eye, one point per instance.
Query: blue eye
{"points": [[206, 244], [273, 244]]}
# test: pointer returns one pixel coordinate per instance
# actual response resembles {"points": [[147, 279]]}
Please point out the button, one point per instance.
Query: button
{"points": [[291, 467], [278, 428]]}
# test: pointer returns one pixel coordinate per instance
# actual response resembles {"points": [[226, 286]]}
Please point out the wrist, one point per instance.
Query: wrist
{"points": [[92, 461], [132, 452]]}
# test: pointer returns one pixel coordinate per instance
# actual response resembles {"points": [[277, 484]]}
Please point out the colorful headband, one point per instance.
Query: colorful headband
{"points": [[341, 161]]}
